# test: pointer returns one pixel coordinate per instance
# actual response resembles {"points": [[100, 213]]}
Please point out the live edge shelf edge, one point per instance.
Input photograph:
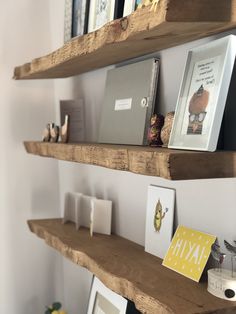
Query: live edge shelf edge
{"points": [[144, 31], [152, 161], [124, 267]]}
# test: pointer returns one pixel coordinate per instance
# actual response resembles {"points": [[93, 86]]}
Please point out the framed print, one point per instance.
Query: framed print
{"points": [[104, 301], [100, 12], [159, 220], [202, 95], [80, 17], [129, 7]]}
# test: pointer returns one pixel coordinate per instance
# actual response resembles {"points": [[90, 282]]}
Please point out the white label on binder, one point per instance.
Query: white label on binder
{"points": [[123, 104]]}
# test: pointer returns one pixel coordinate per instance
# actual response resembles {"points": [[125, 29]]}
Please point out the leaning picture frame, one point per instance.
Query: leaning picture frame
{"points": [[80, 13], [105, 301], [100, 12], [202, 95]]}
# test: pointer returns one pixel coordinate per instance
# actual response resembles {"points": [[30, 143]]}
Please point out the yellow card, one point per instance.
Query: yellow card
{"points": [[188, 252]]}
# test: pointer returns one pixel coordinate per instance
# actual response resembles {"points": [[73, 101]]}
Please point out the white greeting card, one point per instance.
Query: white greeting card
{"points": [[159, 220]]}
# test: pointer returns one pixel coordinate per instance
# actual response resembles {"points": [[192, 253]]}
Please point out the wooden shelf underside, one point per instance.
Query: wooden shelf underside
{"points": [[124, 267], [175, 22], [153, 161]]}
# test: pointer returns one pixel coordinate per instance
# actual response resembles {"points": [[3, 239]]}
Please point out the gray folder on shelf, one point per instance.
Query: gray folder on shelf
{"points": [[129, 101]]}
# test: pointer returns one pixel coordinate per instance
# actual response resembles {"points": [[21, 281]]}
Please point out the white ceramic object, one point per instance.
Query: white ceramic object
{"points": [[221, 284]]}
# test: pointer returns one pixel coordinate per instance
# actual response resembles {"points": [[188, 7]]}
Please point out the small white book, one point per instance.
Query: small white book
{"points": [[159, 220]]}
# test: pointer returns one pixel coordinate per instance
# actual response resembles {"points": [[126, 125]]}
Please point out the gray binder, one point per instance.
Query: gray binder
{"points": [[129, 101]]}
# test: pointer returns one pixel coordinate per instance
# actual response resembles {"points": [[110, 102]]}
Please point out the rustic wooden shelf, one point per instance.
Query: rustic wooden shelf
{"points": [[175, 22], [154, 161], [124, 267]]}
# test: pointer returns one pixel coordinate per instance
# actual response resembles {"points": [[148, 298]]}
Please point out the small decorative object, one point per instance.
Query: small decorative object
{"points": [[46, 133], [165, 131], [154, 131], [88, 211], [232, 250], [54, 309], [64, 132], [221, 284], [188, 252], [220, 281], [54, 132], [203, 94], [218, 256], [102, 300], [145, 3], [159, 220]]}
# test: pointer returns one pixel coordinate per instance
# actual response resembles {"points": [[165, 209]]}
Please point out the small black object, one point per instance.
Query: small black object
{"points": [[229, 293]]}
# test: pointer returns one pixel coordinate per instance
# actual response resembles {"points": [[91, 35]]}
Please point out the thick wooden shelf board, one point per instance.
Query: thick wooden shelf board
{"points": [[175, 22], [162, 162], [124, 267]]}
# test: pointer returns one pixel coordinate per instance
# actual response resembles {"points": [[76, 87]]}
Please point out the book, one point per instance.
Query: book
{"points": [[129, 102]]}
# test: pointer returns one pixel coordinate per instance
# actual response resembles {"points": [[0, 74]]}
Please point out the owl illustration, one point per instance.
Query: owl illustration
{"points": [[159, 216], [197, 110]]}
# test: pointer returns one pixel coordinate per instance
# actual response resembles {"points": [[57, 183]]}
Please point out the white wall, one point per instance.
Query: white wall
{"points": [[30, 272]]}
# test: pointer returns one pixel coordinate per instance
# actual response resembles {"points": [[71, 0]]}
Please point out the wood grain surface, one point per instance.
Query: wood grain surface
{"points": [[153, 161], [175, 22], [124, 267]]}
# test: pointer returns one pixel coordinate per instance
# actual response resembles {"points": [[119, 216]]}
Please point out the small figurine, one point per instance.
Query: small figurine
{"points": [[165, 131], [54, 132], [217, 255], [64, 132], [232, 250], [154, 131], [46, 133]]}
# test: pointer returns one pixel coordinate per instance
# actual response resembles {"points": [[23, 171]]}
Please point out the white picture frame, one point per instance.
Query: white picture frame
{"points": [[129, 7], [159, 220], [68, 20], [102, 300], [203, 95], [100, 12]]}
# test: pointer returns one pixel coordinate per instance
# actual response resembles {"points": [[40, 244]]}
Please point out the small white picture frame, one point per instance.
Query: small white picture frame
{"points": [[159, 220], [129, 7], [100, 12], [102, 300], [202, 95]]}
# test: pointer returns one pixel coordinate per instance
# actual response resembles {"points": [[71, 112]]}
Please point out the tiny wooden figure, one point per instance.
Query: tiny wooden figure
{"points": [[64, 132], [54, 132], [46, 133], [154, 131], [165, 131]]}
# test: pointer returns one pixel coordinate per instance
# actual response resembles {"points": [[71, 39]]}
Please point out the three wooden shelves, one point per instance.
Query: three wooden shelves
{"points": [[124, 267], [154, 161], [175, 22]]}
